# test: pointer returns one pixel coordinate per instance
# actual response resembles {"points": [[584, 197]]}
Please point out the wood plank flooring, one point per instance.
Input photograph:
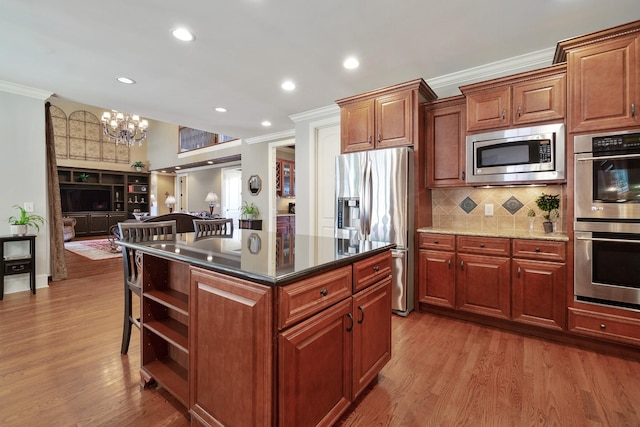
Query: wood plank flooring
{"points": [[60, 365]]}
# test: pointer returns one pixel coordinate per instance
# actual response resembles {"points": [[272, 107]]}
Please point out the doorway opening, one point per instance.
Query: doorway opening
{"points": [[232, 194]]}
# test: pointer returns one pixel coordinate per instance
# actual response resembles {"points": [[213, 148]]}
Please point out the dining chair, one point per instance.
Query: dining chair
{"points": [[138, 232], [213, 227]]}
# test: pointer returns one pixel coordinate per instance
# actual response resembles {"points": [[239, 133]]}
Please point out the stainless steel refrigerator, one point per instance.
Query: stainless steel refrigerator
{"points": [[374, 201]]}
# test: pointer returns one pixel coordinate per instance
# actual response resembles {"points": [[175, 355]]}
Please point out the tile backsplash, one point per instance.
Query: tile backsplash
{"points": [[465, 208]]}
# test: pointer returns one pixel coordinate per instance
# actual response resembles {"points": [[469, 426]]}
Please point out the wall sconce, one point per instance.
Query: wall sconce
{"points": [[170, 202], [211, 198]]}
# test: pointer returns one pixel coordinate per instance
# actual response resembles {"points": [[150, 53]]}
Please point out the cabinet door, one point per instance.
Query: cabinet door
{"points": [[539, 100], [231, 351], [356, 126], [314, 368], [538, 291], [446, 145], [82, 223], [371, 333], [437, 278], [483, 285], [287, 179], [394, 120], [603, 85], [489, 109], [99, 223], [115, 218]]}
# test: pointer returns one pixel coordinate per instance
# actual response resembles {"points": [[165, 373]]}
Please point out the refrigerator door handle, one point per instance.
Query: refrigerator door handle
{"points": [[365, 205]]}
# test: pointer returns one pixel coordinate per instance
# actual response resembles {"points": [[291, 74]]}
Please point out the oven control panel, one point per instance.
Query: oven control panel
{"points": [[626, 142]]}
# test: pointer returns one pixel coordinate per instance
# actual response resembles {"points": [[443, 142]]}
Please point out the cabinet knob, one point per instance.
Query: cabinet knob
{"points": [[435, 242], [518, 271], [324, 292], [376, 268], [537, 249], [482, 245], [449, 263], [461, 265], [603, 326]]}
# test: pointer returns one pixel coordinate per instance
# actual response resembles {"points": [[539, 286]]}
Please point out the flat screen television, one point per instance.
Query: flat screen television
{"points": [[80, 199]]}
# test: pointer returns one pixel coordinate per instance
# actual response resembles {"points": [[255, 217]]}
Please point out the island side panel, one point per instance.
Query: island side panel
{"points": [[231, 355]]}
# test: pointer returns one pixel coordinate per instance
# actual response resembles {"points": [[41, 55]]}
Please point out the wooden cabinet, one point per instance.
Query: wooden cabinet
{"points": [[538, 283], [231, 358], [285, 178], [445, 124], [606, 326], [285, 233], [604, 78], [99, 199], [522, 280], [531, 97], [326, 360], [164, 325], [436, 270], [383, 118]]}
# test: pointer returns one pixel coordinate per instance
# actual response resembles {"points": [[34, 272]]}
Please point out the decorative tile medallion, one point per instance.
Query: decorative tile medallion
{"points": [[513, 205], [468, 205]]}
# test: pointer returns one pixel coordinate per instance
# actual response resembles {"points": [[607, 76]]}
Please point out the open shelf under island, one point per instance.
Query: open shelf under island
{"points": [[242, 339]]}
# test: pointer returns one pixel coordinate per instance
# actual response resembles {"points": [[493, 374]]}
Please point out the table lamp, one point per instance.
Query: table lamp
{"points": [[211, 198], [170, 201]]}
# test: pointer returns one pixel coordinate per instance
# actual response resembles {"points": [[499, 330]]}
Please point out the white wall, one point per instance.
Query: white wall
{"points": [[23, 171]]}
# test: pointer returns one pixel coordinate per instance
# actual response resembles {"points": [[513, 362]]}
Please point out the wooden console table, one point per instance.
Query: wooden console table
{"points": [[18, 264]]}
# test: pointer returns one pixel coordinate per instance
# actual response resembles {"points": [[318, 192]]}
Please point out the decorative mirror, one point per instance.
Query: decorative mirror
{"points": [[255, 184], [254, 243]]}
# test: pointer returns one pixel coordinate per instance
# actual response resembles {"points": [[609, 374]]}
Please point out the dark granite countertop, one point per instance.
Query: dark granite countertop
{"points": [[252, 255]]}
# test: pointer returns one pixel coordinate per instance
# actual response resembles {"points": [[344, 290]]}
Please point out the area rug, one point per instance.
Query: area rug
{"points": [[93, 249]]}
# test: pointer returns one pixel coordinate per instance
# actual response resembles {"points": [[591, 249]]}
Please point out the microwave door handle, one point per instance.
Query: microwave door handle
{"points": [[621, 156], [600, 239]]}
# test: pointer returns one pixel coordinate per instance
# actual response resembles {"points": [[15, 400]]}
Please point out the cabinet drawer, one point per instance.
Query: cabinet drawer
{"points": [[441, 242], [605, 326], [539, 249], [309, 296], [370, 270], [17, 266], [484, 245]]}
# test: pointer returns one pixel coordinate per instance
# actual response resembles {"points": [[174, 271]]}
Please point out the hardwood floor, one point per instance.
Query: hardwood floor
{"points": [[60, 365]]}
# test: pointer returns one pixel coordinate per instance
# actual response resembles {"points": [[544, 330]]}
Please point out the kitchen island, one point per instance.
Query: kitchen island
{"points": [[242, 338]]}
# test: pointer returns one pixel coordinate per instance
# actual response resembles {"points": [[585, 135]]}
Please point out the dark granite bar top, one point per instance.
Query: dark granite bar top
{"points": [[265, 257]]}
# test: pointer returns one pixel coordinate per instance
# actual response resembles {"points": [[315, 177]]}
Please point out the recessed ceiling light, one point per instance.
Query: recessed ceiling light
{"points": [[183, 34], [221, 109], [126, 80], [288, 85], [351, 63], [177, 167], [210, 162], [266, 123]]}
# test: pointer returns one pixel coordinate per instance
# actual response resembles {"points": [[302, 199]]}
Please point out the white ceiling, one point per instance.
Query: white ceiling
{"points": [[244, 49]]}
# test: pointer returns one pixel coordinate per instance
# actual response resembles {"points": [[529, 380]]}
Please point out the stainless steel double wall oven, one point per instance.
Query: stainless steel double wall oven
{"points": [[607, 218]]}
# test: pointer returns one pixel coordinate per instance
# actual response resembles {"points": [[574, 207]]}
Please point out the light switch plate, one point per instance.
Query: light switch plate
{"points": [[28, 206], [488, 209]]}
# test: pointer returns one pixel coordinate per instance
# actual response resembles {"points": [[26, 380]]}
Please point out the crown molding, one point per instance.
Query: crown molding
{"points": [[24, 90], [318, 113], [514, 65], [286, 134]]}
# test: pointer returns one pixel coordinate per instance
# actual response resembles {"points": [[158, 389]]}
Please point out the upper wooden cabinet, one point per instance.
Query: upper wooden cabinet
{"points": [[445, 124], [383, 118], [531, 97], [604, 87], [285, 178]]}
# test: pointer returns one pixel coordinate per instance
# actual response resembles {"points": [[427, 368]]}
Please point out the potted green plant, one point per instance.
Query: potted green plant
{"points": [[548, 203], [20, 224], [83, 177], [139, 165], [250, 213]]}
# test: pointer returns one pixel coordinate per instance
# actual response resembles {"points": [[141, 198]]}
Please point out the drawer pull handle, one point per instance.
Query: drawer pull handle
{"points": [[17, 267], [324, 292], [449, 263], [519, 111], [461, 265], [361, 311], [504, 114], [537, 249], [603, 326], [518, 271], [435, 242], [350, 328], [482, 245], [376, 268]]}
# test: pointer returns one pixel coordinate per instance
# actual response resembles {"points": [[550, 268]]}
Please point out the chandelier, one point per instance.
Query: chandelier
{"points": [[124, 128]]}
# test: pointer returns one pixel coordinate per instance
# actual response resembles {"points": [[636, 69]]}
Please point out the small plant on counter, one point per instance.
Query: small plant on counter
{"points": [[139, 165], [548, 203]]}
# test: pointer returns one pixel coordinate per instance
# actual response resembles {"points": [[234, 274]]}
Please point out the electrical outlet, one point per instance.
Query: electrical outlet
{"points": [[488, 209], [28, 206]]}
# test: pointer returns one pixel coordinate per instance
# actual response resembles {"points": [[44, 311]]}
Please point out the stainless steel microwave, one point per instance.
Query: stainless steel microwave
{"points": [[518, 155]]}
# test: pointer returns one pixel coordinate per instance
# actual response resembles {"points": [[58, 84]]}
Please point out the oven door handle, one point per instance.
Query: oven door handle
{"points": [[619, 156], [600, 239]]}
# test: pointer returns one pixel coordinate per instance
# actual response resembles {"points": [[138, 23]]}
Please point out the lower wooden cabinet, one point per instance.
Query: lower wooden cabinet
{"points": [[483, 285], [521, 280], [95, 223], [231, 356]]}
